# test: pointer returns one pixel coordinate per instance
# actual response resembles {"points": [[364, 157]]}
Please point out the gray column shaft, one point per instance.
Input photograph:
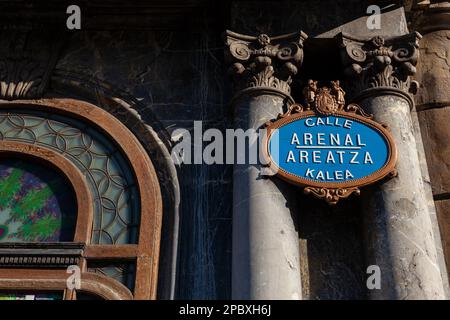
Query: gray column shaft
{"points": [[265, 241], [398, 227]]}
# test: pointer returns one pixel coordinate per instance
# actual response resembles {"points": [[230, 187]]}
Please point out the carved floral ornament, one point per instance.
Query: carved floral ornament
{"points": [[348, 159], [263, 61], [27, 60], [380, 62]]}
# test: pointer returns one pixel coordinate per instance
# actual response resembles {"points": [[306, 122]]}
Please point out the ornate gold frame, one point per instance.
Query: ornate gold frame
{"points": [[331, 192]]}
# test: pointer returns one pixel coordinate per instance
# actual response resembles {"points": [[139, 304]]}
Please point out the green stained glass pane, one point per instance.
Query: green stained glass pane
{"points": [[22, 295], [37, 203]]}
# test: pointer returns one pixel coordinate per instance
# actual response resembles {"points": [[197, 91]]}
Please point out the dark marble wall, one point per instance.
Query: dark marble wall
{"points": [[178, 78], [278, 17], [331, 248]]}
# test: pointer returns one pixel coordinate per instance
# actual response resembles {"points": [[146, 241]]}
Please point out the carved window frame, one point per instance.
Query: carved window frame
{"points": [[34, 257]]}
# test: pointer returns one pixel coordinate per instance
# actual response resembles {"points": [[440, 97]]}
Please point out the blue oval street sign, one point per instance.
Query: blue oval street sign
{"points": [[338, 151]]}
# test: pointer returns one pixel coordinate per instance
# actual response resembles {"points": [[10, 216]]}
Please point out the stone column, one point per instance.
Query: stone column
{"points": [[265, 241], [433, 110], [398, 228]]}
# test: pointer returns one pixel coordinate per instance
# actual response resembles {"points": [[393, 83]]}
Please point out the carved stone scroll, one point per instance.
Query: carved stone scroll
{"points": [[263, 61], [381, 63]]}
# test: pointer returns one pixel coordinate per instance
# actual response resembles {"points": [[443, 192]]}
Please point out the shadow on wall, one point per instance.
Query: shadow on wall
{"points": [[331, 249]]}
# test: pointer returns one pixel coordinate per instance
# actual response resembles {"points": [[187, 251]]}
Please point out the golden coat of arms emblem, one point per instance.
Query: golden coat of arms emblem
{"points": [[326, 101]]}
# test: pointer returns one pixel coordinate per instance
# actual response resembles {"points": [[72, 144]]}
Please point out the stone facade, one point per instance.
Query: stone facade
{"points": [[227, 233]]}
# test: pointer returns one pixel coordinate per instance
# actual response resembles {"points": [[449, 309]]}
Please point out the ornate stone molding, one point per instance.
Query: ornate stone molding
{"points": [[427, 17], [264, 62], [36, 255], [332, 196], [27, 58], [380, 63]]}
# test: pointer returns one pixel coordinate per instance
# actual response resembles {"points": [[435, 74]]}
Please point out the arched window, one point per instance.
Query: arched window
{"points": [[77, 190]]}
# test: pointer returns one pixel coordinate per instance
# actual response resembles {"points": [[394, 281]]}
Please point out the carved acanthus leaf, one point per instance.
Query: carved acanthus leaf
{"points": [[380, 62], [263, 61]]}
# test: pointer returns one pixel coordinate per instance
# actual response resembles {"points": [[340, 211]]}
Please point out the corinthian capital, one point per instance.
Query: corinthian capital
{"points": [[264, 62], [380, 63]]}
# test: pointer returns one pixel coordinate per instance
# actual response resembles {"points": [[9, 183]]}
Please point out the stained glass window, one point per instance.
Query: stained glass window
{"points": [[21, 295], [37, 204], [107, 172]]}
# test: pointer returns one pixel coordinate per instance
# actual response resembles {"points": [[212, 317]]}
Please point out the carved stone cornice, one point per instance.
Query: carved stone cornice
{"points": [[436, 18], [380, 63], [264, 62], [426, 16], [27, 58]]}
